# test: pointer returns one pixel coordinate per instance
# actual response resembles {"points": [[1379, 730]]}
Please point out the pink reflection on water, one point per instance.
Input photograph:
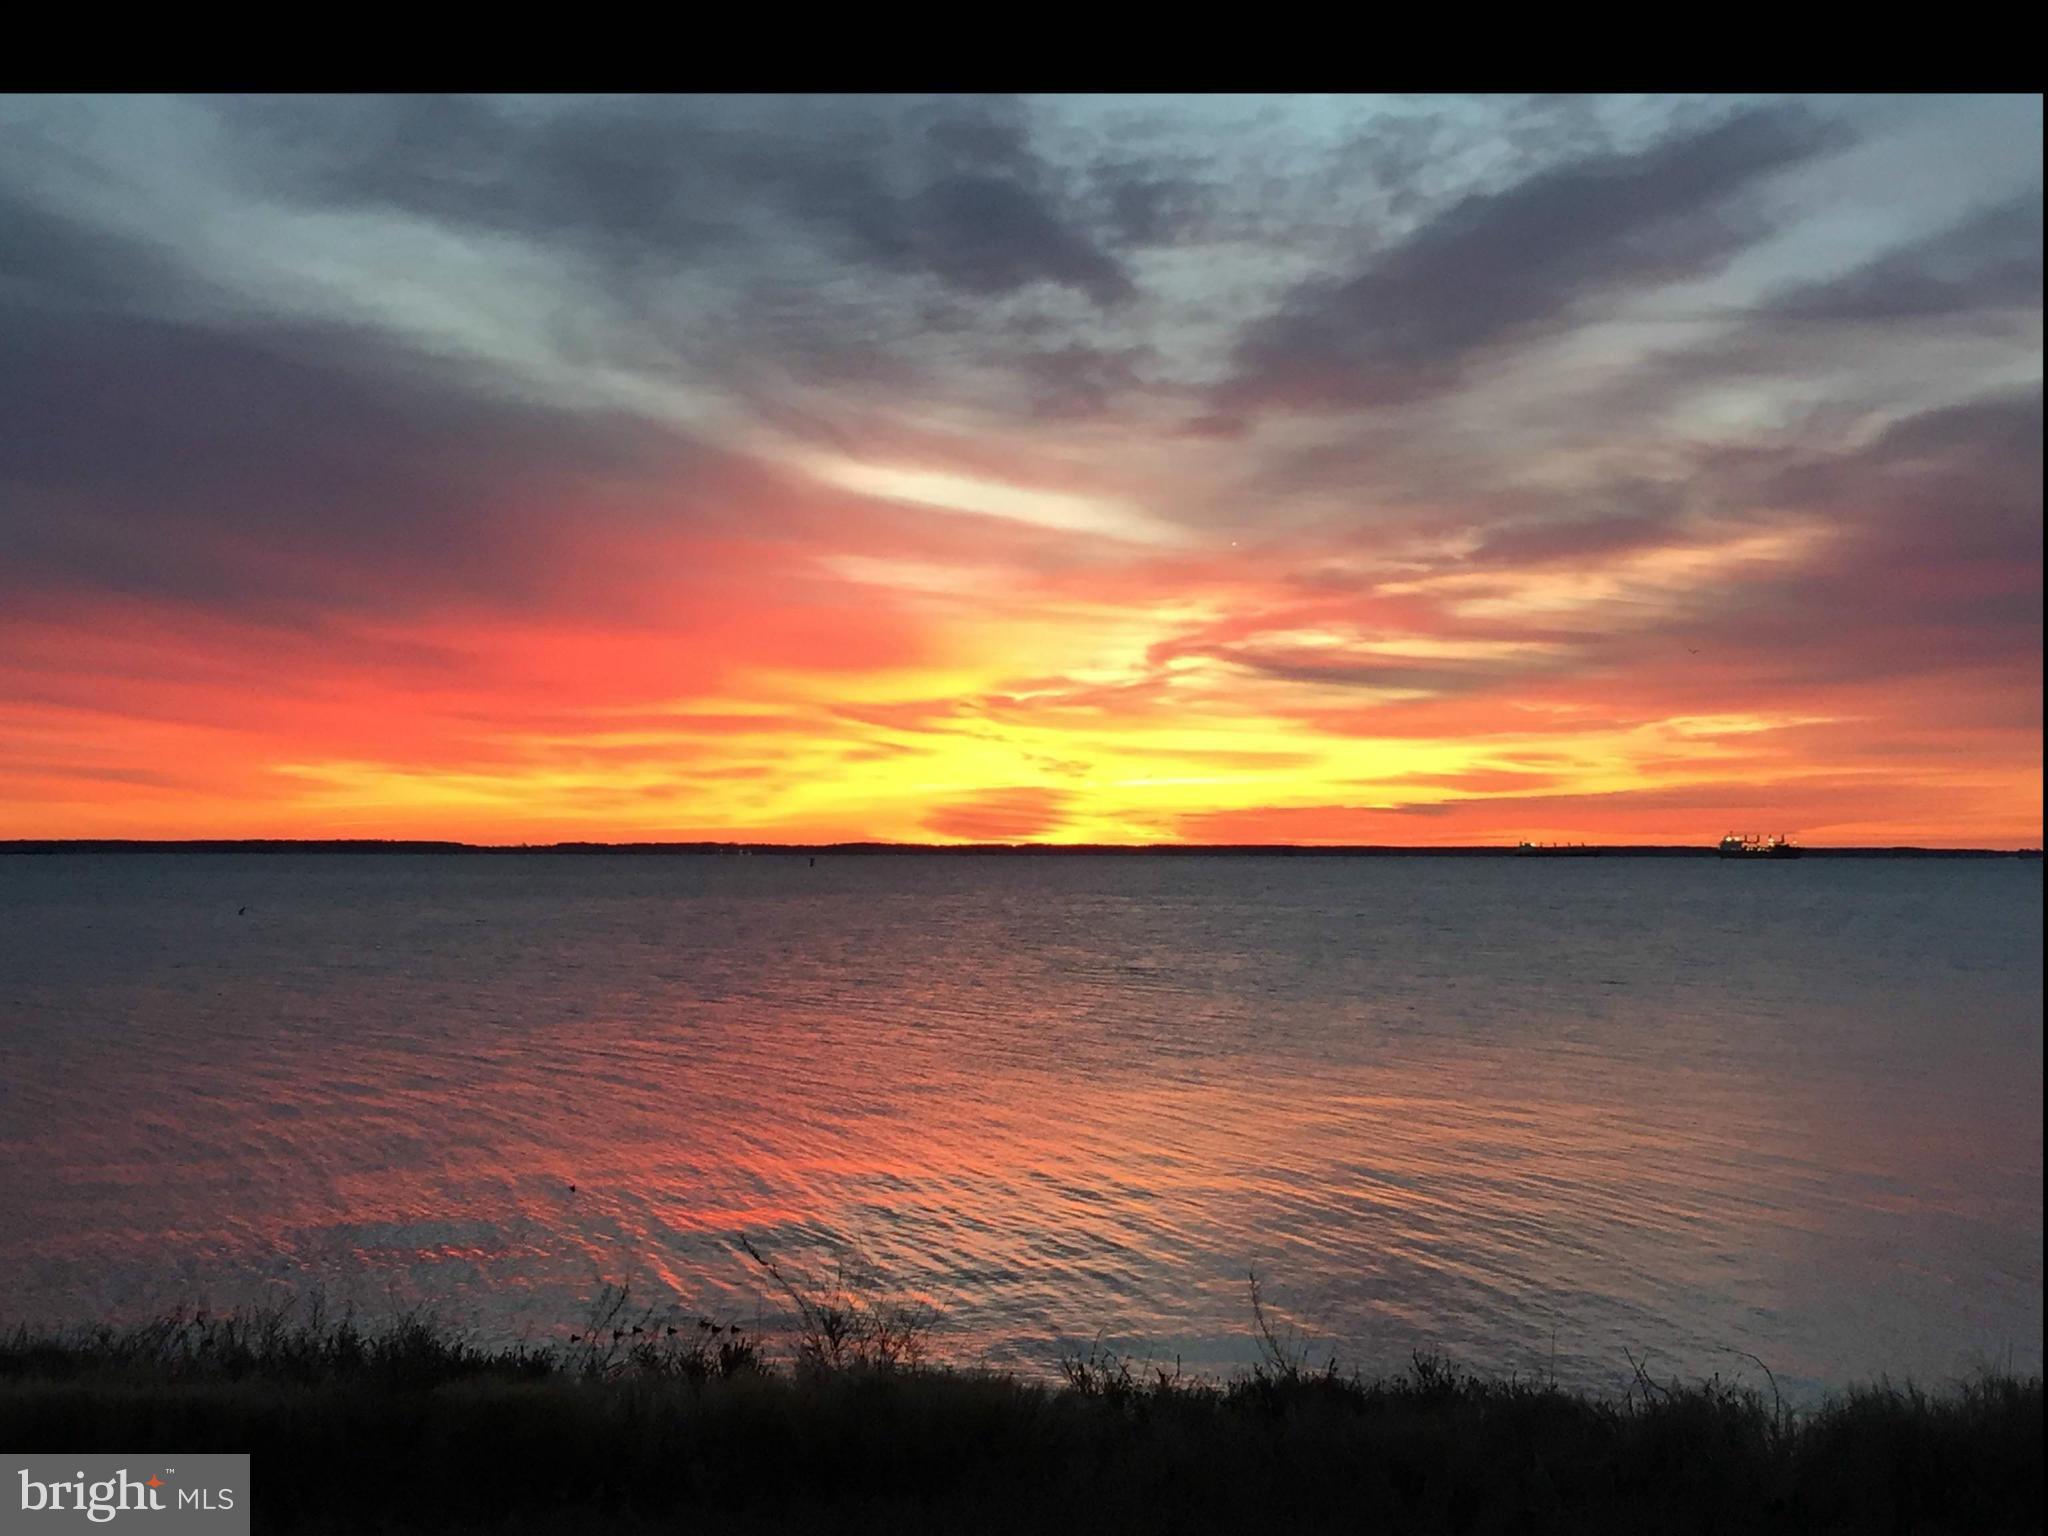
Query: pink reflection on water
{"points": [[1043, 1117]]}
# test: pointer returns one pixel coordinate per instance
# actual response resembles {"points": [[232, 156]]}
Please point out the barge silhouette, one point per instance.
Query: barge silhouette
{"points": [[1742, 845]]}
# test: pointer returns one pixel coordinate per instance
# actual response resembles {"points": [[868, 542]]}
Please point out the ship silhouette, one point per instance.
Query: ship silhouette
{"points": [[1748, 845]]}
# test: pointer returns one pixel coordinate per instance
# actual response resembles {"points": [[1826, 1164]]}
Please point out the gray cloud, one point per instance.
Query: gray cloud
{"points": [[1556, 541], [1990, 260], [1497, 266], [947, 190], [291, 469], [50, 258], [1078, 379], [1934, 560], [1363, 669]]}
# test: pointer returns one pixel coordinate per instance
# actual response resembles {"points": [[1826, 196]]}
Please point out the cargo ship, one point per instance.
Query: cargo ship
{"points": [[1742, 845]]}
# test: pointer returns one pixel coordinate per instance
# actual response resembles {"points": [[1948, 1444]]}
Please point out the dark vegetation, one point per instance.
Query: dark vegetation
{"points": [[642, 1422]]}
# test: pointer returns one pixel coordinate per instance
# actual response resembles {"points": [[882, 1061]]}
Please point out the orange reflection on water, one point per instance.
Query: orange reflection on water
{"points": [[1051, 1098]]}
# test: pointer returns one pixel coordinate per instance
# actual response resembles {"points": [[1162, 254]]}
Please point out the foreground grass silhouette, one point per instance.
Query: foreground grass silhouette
{"points": [[640, 1427]]}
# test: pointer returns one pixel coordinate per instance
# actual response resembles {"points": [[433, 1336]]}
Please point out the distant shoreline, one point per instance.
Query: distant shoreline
{"points": [[1176, 850]]}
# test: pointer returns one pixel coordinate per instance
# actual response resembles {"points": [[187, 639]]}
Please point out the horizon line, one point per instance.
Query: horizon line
{"points": [[54, 845]]}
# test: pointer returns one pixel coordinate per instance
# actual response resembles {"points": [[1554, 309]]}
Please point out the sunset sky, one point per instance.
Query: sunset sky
{"points": [[1419, 471]]}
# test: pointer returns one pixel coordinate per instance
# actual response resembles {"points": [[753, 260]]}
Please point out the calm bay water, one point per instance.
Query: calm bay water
{"points": [[1534, 1113]]}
